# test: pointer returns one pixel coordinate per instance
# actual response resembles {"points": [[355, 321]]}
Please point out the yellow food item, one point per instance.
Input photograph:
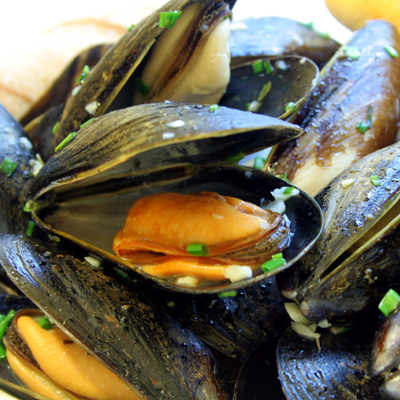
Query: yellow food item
{"points": [[354, 13], [69, 365]]}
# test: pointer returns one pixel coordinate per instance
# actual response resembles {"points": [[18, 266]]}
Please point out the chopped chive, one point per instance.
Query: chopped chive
{"points": [[290, 107], [257, 66], [30, 228], [389, 302], [55, 127], [121, 273], [230, 293], [168, 19], [8, 166], [44, 323], [142, 87], [391, 51], [273, 263], [375, 180], [259, 162], [352, 53], [324, 35], [128, 28], [226, 17], [288, 190], [283, 177], [84, 74], [214, 107], [3, 326], [264, 91], [235, 158], [86, 123], [68, 139], [27, 208], [309, 25], [269, 69], [197, 249], [277, 256], [363, 127]]}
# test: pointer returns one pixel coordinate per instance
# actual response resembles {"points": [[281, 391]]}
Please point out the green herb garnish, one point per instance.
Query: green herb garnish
{"points": [[44, 323], [363, 127], [288, 190], [66, 141], [128, 28], [276, 261], [84, 74], [259, 162], [55, 127], [235, 158], [264, 91], [214, 107], [283, 177], [391, 51], [352, 53], [269, 69], [290, 107], [197, 249], [8, 166], [86, 123], [230, 293], [4, 322], [121, 273], [142, 87], [30, 228], [168, 19], [375, 180], [389, 302], [309, 25], [257, 66]]}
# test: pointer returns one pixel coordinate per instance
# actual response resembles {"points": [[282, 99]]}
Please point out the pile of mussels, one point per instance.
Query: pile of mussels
{"points": [[331, 115]]}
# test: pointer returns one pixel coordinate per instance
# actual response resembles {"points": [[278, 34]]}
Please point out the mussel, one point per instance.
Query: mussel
{"points": [[86, 190], [113, 318], [193, 45], [354, 262], [344, 119]]}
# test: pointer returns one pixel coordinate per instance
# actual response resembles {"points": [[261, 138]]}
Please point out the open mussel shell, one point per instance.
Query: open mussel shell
{"points": [[110, 75], [273, 36], [84, 192], [291, 81], [355, 260], [113, 318]]}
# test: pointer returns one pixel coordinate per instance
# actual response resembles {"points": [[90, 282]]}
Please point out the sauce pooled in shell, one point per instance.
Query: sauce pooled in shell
{"points": [[160, 227]]}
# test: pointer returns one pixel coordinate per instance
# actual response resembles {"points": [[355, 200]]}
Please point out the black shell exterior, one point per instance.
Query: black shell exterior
{"points": [[113, 318]]}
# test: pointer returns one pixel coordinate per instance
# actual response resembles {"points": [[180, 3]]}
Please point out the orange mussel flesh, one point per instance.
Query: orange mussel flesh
{"points": [[159, 228]]}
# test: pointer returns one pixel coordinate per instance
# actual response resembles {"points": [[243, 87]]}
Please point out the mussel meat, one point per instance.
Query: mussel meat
{"points": [[160, 227]]}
